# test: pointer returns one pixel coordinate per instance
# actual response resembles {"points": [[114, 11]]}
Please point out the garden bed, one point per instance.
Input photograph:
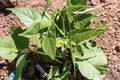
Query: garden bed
{"points": [[109, 41]]}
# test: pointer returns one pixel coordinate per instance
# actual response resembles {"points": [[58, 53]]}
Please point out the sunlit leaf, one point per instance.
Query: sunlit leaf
{"points": [[49, 43], [8, 48], [19, 66], [88, 71], [29, 15], [92, 63], [35, 31], [84, 34]]}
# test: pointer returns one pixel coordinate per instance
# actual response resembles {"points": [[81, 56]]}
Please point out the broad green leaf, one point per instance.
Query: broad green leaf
{"points": [[77, 2], [7, 48], [49, 46], [49, 43], [20, 42], [88, 71], [54, 73], [92, 63], [19, 66], [29, 15], [84, 34], [35, 31], [84, 20]]}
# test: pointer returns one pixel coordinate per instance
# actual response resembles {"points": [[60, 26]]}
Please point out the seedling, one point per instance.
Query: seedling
{"points": [[62, 38]]}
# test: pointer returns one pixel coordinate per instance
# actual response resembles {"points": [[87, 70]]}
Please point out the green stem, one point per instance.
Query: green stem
{"points": [[63, 20], [62, 33]]}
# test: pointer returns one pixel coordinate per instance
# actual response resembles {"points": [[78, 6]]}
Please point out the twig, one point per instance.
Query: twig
{"points": [[91, 9]]}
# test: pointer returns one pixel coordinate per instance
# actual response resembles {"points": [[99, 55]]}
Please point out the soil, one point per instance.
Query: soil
{"points": [[109, 41]]}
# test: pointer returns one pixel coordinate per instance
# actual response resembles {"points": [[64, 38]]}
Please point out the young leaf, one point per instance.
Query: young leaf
{"points": [[62, 21], [35, 31], [7, 48], [20, 42], [77, 2], [54, 73], [73, 8], [65, 72], [93, 61], [47, 4], [29, 15], [84, 34], [84, 20], [49, 43], [19, 66]]}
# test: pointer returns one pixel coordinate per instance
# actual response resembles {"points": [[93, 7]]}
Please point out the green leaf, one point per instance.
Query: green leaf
{"points": [[88, 71], [78, 50], [54, 73], [73, 59], [62, 21], [19, 66], [84, 20], [74, 8], [84, 34], [7, 48], [77, 2], [29, 15], [65, 72], [49, 43], [47, 4], [20, 42], [72, 53], [35, 31], [93, 62]]}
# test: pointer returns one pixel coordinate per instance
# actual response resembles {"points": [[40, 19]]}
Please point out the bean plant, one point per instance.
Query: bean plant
{"points": [[62, 36]]}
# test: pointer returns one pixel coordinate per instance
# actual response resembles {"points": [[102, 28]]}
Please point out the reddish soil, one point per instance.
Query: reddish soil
{"points": [[109, 41]]}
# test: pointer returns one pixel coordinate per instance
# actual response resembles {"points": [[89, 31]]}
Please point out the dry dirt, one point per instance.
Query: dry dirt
{"points": [[109, 41]]}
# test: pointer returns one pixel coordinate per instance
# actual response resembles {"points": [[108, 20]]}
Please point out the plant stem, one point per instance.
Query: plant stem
{"points": [[58, 28]]}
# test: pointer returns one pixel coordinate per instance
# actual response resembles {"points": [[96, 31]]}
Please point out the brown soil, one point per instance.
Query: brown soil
{"points": [[109, 41]]}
